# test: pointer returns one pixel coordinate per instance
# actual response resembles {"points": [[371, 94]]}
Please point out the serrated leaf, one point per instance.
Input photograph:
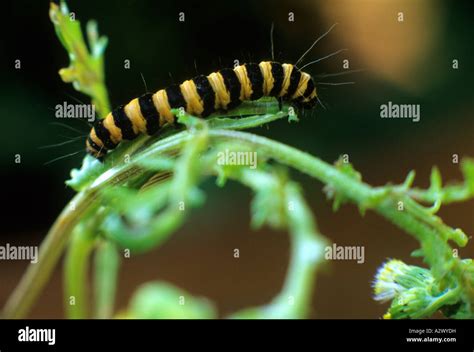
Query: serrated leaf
{"points": [[83, 177]]}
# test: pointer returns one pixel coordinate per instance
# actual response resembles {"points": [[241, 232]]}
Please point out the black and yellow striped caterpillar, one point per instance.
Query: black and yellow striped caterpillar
{"points": [[201, 96]]}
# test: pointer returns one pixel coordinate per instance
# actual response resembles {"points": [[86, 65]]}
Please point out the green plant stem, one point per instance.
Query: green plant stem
{"points": [[307, 250], [32, 282], [449, 194], [107, 263], [75, 272], [307, 253], [360, 193], [86, 68], [36, 276], [86, 73]]}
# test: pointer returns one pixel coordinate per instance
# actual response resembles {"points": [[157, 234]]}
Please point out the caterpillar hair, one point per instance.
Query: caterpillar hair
{"points": [[201, 96]]}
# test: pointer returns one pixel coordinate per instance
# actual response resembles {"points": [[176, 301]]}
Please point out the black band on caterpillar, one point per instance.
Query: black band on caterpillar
{"points": [[103, 135], [294, 81], [201, 96], [232, 85], [123, 122], [175, 97], [278, 76], [309, 89], [204, 90], [149, 113], [92, 145], [256, 80]]}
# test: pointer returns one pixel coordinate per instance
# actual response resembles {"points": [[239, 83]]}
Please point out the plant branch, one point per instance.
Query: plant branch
{"points": [[107, 263], [37, 275], [86, 68], [76, 270], [414, 218]]}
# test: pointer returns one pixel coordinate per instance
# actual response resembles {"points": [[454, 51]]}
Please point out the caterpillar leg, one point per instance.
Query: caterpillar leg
{"points": [[280, 104]]}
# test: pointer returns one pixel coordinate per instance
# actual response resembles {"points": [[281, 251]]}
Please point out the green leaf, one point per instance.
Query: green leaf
{"points": [[86, 68], [467, 167], [83, 177], [159, 300]]}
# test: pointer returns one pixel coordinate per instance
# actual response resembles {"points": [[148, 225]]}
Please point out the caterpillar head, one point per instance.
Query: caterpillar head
{"points": [[91, 149], [94, 143], [309, 97]]}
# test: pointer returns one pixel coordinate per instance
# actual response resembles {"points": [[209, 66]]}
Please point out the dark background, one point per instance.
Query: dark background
{"points": [[405, 63]]}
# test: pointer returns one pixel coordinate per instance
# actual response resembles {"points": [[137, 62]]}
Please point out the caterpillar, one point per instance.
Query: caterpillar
{"points": [[201, 96]]}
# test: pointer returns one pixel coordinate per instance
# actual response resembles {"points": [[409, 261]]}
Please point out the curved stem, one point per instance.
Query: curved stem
{"points": [[307, 253], [75, 272], [360, 193], [449, 194], [428, 230], [107, 262], [36, 276]]}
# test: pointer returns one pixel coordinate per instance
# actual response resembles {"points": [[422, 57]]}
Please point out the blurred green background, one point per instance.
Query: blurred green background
{"points": [[407, 62]]}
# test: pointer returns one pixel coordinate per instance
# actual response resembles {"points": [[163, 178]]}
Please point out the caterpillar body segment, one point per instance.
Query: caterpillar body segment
{"points": [[201, 96]]}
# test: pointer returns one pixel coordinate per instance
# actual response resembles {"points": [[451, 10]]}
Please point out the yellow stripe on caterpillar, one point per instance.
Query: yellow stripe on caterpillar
{"points": [[246, 86], [96, 139], [222, 95], [115, 132], [287, 69], [194, 104], [303, 83], [268, 79], [132, 110], [160, 99]]}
